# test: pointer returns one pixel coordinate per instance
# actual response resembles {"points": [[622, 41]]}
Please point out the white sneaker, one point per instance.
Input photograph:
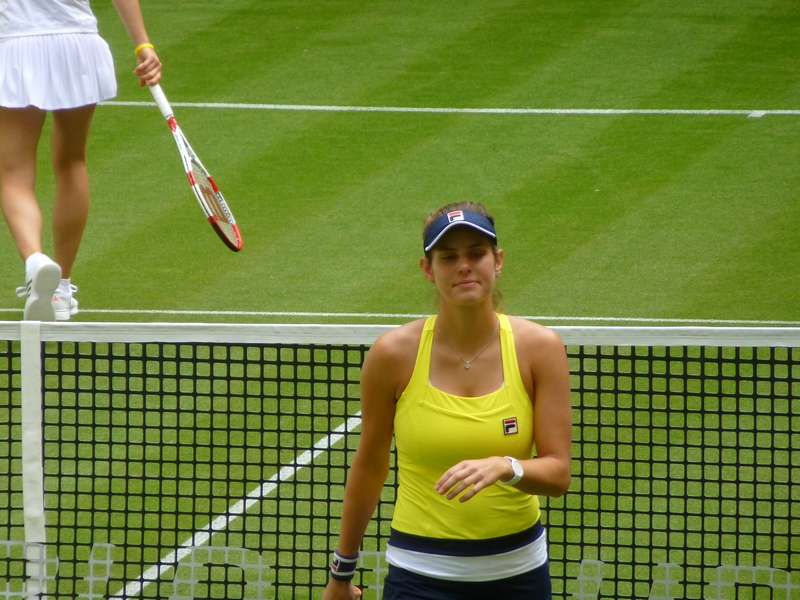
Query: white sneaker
{"points": [[65, 305], [39, 290]]}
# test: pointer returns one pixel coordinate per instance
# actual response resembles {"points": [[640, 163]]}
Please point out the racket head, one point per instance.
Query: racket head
{"points": [[218, 213]]}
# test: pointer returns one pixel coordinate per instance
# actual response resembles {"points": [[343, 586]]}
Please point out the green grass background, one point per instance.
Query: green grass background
{"points": [[673, 217]]}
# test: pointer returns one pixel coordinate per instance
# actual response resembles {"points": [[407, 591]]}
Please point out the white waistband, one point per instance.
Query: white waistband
{"points": [[471, 568]]}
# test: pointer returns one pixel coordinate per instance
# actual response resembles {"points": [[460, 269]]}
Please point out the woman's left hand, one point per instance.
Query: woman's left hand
{"points": [[471, 476]]}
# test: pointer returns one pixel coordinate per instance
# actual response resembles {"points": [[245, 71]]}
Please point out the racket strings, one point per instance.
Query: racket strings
{"points": [[215, 205]]}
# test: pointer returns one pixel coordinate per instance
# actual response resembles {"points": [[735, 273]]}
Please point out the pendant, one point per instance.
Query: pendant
{"points": [[466, 365]]}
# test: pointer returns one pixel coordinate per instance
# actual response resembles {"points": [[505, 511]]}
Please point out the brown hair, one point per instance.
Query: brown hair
{"points": [[475, 207]]}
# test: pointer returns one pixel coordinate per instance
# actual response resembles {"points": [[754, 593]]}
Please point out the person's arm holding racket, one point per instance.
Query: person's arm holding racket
{"points": [[370, 466], [148, 68]]}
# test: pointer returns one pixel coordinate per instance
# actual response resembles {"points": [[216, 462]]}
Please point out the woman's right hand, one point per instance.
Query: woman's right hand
{"points": [[148, 67], [340, 590]]}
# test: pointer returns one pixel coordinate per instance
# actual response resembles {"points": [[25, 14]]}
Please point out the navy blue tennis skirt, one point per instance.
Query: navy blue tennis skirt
{"points": [[405, 585]]}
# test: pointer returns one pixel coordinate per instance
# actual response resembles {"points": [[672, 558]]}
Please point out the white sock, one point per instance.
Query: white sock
{"points": [[64, 291]]}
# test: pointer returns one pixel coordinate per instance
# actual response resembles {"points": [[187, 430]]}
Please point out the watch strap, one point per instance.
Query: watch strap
{"points": [[516, 466]]}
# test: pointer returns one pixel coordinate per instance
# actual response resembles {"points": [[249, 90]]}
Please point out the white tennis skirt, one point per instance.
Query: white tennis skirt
{"points": [[57, 71]]}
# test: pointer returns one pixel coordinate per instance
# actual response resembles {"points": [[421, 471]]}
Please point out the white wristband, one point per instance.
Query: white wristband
{"points": [[516, 466]]}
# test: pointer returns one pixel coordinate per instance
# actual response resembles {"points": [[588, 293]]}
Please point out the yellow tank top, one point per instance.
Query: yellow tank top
{"points": [[435, 430]]}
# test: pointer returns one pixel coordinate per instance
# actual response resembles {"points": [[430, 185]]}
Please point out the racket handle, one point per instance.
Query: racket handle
{"points": [[161, 100]]}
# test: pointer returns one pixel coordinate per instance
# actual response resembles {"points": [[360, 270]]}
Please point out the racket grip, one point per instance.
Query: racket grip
{"points": [[161, 100]]}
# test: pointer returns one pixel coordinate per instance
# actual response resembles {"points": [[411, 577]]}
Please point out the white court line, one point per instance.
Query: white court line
{"points": [[755, 113], [221, 523], [409, 316]]}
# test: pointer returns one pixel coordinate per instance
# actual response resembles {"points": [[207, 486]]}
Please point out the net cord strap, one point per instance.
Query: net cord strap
{"points": [[32, 454], [787, 337]]}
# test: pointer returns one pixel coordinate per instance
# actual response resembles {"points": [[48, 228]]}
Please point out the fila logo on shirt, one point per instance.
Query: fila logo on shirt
{"points": [[510, 426], [456, 215]]}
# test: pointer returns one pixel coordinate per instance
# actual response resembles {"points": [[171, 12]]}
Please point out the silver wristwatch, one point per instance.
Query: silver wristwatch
{"points": [[516, 466]]}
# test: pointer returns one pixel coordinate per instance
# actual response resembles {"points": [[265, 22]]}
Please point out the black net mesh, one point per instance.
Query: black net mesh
{"points": [[188, 470], [687, 465], [10, 418]]}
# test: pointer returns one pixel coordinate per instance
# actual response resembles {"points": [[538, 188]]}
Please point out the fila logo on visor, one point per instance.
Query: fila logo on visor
{"points": [[456, 215], [510, 426]]}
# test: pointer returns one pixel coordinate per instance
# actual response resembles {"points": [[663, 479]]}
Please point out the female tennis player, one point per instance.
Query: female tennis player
{"points": [[479, 405], [52, 59]]}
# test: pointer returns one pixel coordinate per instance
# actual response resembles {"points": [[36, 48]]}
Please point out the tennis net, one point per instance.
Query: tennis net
{"points": [[208, 461]]}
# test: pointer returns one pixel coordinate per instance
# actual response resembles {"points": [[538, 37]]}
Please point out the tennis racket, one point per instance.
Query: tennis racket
{"points": [[203, 186]]}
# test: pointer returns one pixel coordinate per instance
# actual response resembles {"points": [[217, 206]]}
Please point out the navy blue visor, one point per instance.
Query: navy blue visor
{"points": [[455, 218]]}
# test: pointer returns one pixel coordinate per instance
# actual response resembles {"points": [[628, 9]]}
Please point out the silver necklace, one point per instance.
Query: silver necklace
{"points": [[467, 363]]}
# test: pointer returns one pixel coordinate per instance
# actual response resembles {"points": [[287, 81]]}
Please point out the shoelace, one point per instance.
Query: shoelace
{"points": [[24, 291], [72, 289]]}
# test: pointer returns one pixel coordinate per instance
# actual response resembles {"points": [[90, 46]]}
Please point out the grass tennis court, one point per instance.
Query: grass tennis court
{"points": [[636, 216], [641, 158]]}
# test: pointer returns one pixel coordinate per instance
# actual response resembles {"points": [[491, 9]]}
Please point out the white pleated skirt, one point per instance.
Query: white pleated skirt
{"points": [[57, 71]]}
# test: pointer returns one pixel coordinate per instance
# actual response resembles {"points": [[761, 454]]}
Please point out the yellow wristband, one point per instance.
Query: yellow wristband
{"points": [[141, 47]]}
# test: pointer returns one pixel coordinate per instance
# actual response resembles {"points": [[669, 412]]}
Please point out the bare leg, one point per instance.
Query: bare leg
{"points": [[68, 140], [20, 130]]}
